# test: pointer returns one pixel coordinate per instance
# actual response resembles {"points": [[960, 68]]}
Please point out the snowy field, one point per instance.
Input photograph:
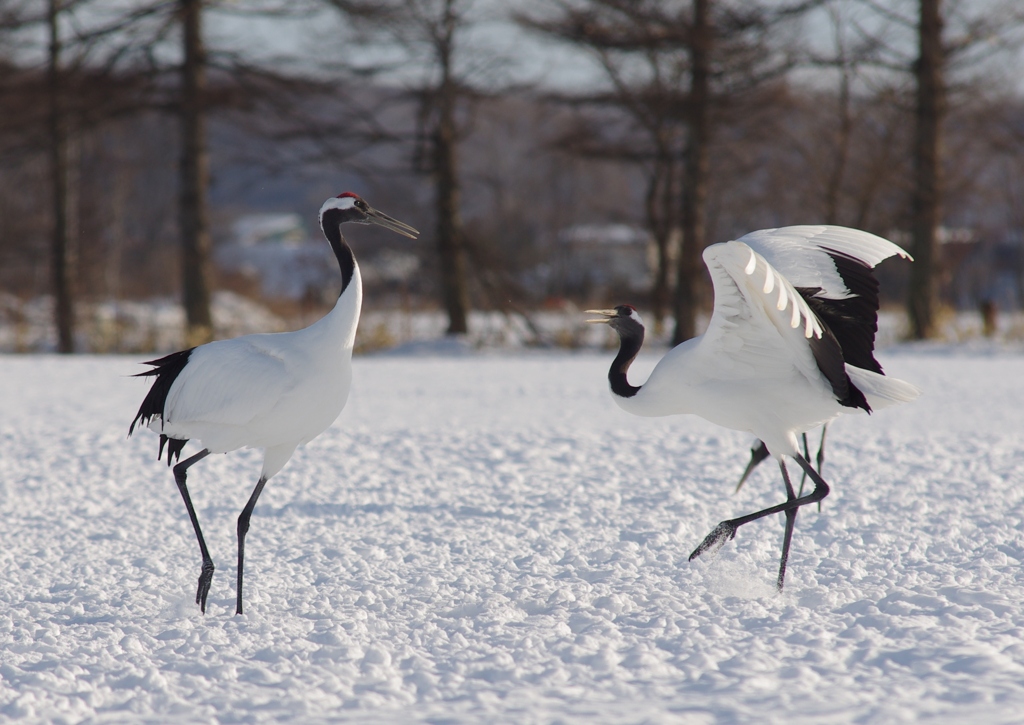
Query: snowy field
{"points": [[487, 538]]}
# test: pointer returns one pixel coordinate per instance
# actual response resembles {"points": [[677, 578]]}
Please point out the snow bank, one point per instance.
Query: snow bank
{"points": [[157, 326], [126, 326]]}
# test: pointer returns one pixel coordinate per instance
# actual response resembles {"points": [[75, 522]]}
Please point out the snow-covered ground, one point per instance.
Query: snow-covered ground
{"points": [[487, 538]]}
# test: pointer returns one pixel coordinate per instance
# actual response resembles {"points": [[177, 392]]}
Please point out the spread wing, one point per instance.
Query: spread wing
{"points": [[831, 269], [797, 298], [761, 328], [807, 255]]}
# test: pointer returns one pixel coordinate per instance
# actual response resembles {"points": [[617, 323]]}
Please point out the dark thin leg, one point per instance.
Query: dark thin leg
{"points": [[243, 527], [758, 452], [790, 524], [821, 448], [807, 455], [206, 576], [821, 455], [726, 530], [820, 459]]}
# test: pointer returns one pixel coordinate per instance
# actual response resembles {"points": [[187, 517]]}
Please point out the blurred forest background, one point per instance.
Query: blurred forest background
{"points": [[162, 161]]}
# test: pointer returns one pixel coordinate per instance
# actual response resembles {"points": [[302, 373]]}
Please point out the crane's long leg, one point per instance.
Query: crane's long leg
{"points": [[790, 524], [820, 459], [206, 576], [243, 528], [726, 530], [821, 448], [758, 453], [807, 455]]}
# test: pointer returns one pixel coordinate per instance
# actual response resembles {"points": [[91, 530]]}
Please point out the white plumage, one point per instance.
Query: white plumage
{"points": [[789, 346], [271, 391]]}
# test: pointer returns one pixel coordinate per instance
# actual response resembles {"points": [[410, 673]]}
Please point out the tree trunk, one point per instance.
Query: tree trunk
{"points": [[659, 204], [450, 241], [834, 185], [695, 183], [63, 261], [927, 200], [194, 180]]}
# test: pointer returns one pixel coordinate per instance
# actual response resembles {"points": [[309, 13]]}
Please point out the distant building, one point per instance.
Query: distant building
{"points": [[595, 258], [253, 229], [977, 269], [276, 250], [982, 270]]}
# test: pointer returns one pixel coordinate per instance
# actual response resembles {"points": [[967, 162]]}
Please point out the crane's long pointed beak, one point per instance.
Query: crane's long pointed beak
{"points": [[381, 219], [607, 315]]}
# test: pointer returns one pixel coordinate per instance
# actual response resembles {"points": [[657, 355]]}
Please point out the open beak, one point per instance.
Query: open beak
{"points": [[606, 315], [381, 219]]}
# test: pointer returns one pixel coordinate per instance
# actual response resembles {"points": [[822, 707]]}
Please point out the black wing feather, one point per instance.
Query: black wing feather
{"points": [[166, 370], [854, 321], [828, 354], [850, 328]]}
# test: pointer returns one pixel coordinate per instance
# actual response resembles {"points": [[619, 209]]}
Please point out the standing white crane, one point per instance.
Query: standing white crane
{"points": [[790, 345], [273, 391]]}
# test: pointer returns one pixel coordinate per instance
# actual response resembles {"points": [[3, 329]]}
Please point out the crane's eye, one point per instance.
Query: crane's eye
{"points": [[361, 205]]}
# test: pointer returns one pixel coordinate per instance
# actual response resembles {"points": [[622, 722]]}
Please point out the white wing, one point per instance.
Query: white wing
{"points": [[767, 363], [803, 254], [228, 382], [760, 325], [754, 368]]}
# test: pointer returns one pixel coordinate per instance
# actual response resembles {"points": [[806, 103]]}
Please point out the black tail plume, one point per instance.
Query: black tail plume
{"points": [[166, 370]]}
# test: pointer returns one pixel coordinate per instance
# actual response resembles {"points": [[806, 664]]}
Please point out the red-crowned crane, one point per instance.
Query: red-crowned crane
{"points": [[273, 391], [789, 346]]}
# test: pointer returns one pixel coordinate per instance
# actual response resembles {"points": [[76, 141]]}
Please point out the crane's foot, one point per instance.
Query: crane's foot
{"points": [[725, 531], [205, 579]]}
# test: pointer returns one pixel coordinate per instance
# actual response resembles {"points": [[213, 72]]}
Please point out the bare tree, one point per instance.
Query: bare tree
{"points": [[62, 247], [926, 206], [946, 53], [192, 100], [440, 102], [98, 84], [241, 85], [698, 168], [716, 52], [623, 38], [845, 63], [115, 65], [194, 179], [431, 33], [45, 118]]}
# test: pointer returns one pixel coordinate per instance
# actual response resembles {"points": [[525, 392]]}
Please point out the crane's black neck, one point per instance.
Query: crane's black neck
{"points": [[331, 223], [631, 339]]}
